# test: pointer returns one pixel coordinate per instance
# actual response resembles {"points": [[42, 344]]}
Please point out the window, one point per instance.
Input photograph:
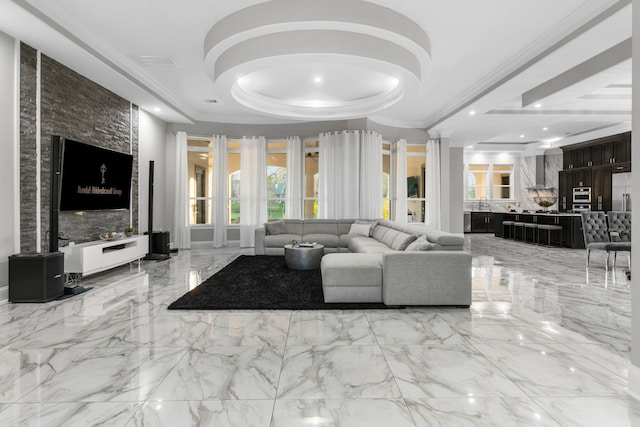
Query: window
{"points": [[276, 178], [502, 178], [233, 169], [386, 173], [200, 167], [311, 157], [478, 182], [490, 181], [415, 183]]}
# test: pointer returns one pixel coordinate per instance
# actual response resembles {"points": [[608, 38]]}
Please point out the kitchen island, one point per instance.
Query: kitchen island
{"points": [[571, 224]]}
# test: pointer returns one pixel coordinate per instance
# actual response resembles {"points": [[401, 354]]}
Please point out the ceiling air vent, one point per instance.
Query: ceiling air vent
{"points": [[152, 61]]}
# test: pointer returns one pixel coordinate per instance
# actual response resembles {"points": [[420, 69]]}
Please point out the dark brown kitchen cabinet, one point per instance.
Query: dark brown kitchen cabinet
{"points": [[482, 222], [581, 177], [565, 189], [601, 199]]}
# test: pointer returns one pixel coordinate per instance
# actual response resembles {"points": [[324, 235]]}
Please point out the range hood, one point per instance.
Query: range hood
{"points": [[542, 195]]}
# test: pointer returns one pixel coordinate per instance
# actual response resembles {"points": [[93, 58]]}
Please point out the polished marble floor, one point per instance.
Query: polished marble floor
{"points": [[545, 343]]}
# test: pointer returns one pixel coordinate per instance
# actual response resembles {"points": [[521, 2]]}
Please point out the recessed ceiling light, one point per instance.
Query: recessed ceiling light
{"points": [[538, 105], [522, 136], [472, 113], [317, 79], [545, 128]]}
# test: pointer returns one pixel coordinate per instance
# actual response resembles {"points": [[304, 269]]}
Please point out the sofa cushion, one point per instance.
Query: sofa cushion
{"points": [[344, 225], [360, 229], [363, 244], [390, 236], [320, 226], [403, 240], [420, 244], [279, 240], [275, 227], [328, 240], [379, 231]]}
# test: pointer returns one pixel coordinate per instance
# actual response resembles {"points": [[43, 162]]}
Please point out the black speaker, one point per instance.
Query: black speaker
{"points": [[161, 242], [36, 277]]}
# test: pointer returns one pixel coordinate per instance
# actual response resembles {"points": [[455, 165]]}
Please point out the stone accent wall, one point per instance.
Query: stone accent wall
{"points": [[28, 164], [74, 107]]}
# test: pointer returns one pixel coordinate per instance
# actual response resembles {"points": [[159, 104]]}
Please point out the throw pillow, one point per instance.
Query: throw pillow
{"points": [[420, 244], [371, 222], [276, 227], [360, 229]]}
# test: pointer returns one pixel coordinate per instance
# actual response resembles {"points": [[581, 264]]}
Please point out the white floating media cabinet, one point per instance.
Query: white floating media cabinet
{"points": [[94, 257]]}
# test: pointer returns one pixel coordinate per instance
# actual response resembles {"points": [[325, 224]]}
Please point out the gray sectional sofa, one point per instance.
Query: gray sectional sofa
{"points": [[380, 266]]}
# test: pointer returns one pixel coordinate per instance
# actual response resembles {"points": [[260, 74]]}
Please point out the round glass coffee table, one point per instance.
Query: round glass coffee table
{"points": [[303, 257]]}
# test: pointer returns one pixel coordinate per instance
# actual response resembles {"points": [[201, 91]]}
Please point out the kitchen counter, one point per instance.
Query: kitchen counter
{"points": [[571, 224]]}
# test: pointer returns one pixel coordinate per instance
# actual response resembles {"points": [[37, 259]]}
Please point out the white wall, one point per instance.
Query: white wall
{"points": [[9, 164], [153, 134]]}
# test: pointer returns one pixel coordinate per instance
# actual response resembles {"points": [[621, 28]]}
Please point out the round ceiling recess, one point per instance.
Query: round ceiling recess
{"points": [[301, 60]]}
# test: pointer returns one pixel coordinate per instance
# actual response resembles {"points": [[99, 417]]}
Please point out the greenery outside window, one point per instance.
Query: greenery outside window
{"points": [[233, 170], [386, 185], [311, 158], [200, 169], [276, 179]]}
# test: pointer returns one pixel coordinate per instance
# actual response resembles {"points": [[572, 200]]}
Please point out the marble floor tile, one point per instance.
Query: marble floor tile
{"points": [[22, 370], [232, 329], [336, 372], [231, 413], [223, 373], [400, 328], [592, 411], [545, 341], [103, 375], [605, 356], [120, 331], [446, 371], [323, 328], [79, 414], [341, 412], [559, 370], [479, 412]]}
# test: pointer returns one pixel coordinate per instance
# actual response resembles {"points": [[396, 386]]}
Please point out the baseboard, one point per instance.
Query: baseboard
{"points": [[209, 245], [633, 382]]}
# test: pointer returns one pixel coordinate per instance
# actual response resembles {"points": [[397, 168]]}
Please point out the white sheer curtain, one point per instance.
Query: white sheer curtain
{"points": [[253, 187], [339, 181], [370, 175], [181, 231], [399, 159], [220, 186], [295, 157], [432, 216]]}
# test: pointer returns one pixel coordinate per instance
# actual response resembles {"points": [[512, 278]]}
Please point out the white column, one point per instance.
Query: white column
{"points": [[452, 187], [634, 369]]}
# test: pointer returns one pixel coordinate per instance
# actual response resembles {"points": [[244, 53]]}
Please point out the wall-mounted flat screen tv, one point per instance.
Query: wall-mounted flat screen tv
{"points": [[94, 178]]}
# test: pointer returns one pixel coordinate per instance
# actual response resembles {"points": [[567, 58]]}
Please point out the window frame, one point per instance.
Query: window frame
{"points": [[490, 184], [192, 201], [277, 151]]}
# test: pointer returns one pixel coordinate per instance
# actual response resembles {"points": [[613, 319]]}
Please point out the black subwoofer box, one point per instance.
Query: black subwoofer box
{"points": [[36, 277], [161, 242]]}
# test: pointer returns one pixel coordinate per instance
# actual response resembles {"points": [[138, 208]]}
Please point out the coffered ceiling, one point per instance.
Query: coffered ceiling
{"points": [[492, 75]]}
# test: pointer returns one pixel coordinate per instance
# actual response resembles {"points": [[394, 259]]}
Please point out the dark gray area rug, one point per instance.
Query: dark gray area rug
{"points": [[261, 282]]}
